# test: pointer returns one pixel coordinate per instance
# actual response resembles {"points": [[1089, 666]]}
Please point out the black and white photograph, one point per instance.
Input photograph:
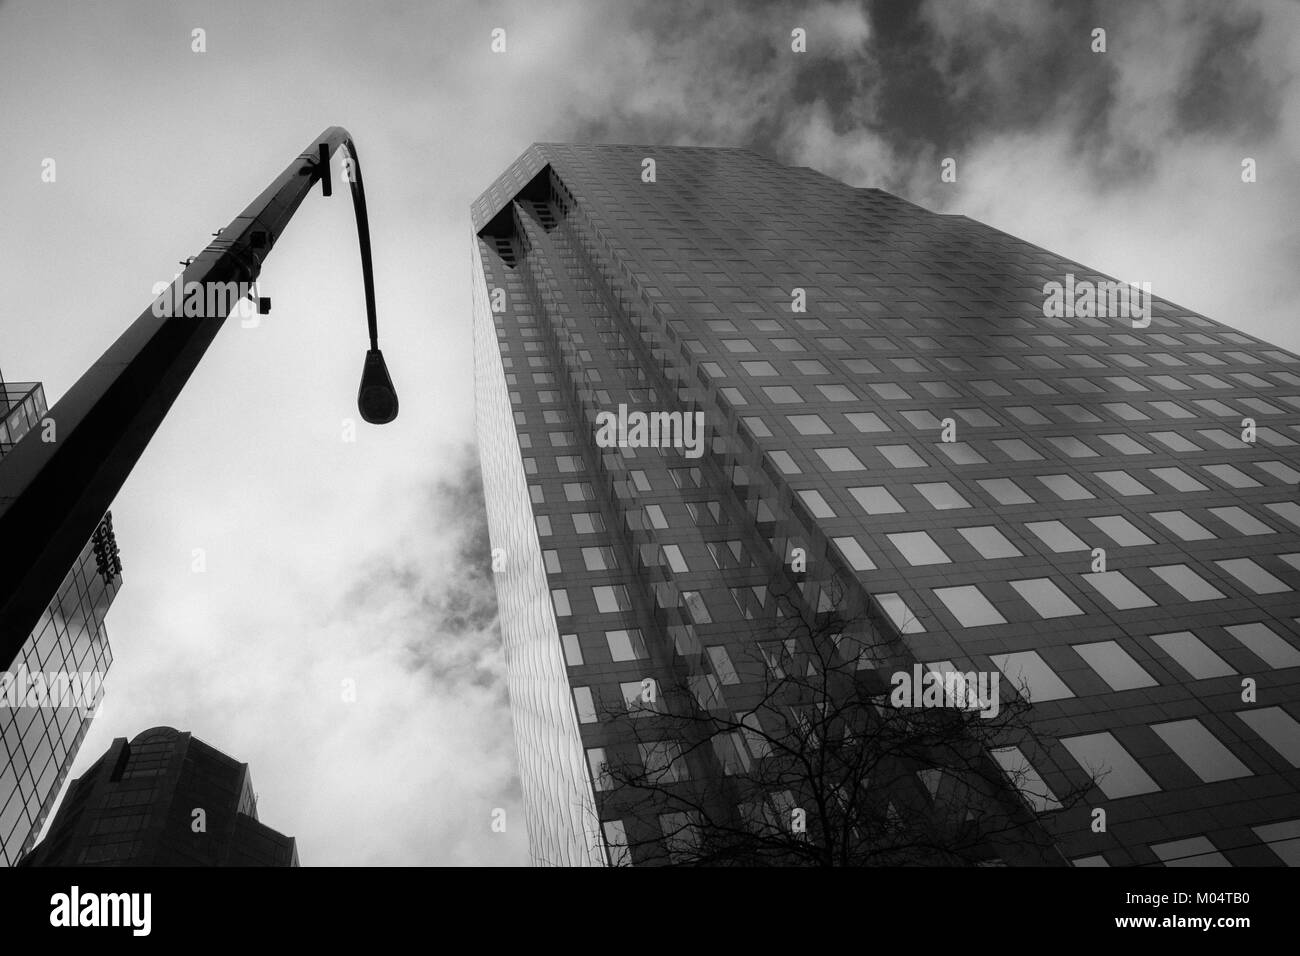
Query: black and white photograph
{"points": [[653, 435]]}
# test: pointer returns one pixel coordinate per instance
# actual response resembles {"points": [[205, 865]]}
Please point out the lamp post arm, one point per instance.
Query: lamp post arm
{"points": [[358, 191], [54, 493]]}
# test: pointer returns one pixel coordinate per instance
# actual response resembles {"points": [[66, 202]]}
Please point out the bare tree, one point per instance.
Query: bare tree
{"points": [[813, 752]]}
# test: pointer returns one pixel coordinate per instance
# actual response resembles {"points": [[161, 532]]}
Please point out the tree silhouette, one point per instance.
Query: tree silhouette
{"points": [[810, 753]]}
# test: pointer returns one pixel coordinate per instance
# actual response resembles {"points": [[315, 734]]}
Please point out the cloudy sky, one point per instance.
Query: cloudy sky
{"points": [[330, 561]]}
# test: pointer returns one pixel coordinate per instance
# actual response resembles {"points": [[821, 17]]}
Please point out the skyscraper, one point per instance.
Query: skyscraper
{"points": [[1026, 468], [162, 799], [50, 692]]}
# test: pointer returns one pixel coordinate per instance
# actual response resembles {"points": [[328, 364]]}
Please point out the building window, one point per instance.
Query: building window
{"points": [[969, 606], [731, 752], [601, 778], [1277, 728], [1030, 675], [588, 522], [876, 500], [663, 761], [1122, 593], [616, 843], [1180, 524], [1016, 450], [1056, 536], [866, 422], [1045, 597], [810, 367], [1240, 520], [900, 614], [676, 561], [921, 419], [682, 839], [809, 424], [1028, 416], [1187, 582], [1178, 479], [1065, 487], [942, 496], [817, 504], [1283, 839], [1125, 445], [585, 705], [578, 491], [901, 456], [977, 417], [1232, 477], [1112, 768], [1197, 851], [720, 660], [1026, 779], [778, 655], [853, 552], [1286, 509], [1253, 576], [1005, 491], [755, 737], [961, 453], [625, 645], [840, 459], [837, 393], [889, 390], [785, 463], [640, 697], [572, 649], [1260, 640], [1123, 482], [1072, 447], [1203, 752], [1192, 655], [696, 610], [989, 542], [782, 395], [1120, 530], [918, 548]]}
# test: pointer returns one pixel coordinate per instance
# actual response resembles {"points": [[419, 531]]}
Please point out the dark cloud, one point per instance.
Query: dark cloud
{"points": [[931, 80], [437, 595], [1229, 92]]}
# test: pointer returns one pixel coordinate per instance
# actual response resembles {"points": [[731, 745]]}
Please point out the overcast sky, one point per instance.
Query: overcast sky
{"points": [[329, 561]]}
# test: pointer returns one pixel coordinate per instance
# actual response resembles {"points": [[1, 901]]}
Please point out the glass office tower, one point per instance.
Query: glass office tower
{"points": [[70, 644], [1021, 466], [163, 798]]}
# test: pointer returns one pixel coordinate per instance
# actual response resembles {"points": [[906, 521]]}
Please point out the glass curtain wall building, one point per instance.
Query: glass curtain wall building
{"points": [[163, 798], [1019, 471], [43, 721]]}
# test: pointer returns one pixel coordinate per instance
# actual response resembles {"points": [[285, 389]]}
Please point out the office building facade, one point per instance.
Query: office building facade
{"points": [[49, 694], [1025, 468], [163, 798]]}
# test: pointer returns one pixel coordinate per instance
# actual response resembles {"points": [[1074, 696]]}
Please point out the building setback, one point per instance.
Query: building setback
{"points": [[162, 799], [1097, 507], [41, 742]]}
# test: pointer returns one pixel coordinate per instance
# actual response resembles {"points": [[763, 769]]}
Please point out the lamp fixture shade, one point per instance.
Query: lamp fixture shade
{"points": [[376, 398]]}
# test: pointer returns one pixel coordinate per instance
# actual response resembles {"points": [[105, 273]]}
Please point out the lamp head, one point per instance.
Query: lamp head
{"points": [[376, 398]]}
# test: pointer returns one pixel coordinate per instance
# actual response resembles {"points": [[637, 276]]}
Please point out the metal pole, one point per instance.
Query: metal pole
{"points": [[54, 493]]}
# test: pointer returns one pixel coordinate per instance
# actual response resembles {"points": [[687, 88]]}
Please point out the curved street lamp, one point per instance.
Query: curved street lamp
{"points": [[54, 493]]}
